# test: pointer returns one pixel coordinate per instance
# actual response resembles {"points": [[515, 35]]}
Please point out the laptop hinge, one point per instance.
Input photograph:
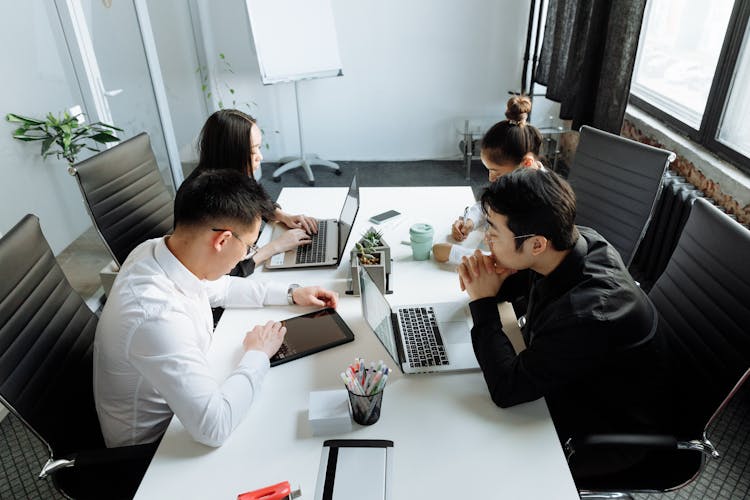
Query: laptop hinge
{"points": [[399, 340]]}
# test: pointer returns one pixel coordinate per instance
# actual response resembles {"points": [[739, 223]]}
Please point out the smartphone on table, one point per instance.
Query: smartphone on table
{"points": [[380, 218]]}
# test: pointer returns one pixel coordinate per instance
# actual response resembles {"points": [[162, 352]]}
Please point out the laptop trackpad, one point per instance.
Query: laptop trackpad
{"points": [[455, 332]]}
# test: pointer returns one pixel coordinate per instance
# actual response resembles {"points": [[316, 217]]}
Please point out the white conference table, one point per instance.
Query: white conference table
{"points": [[450, 440]]}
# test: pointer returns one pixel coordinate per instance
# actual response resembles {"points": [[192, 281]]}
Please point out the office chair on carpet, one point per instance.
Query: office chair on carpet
{"points": [[617, 183], [46, 371], [125, 195], [703, 300]]}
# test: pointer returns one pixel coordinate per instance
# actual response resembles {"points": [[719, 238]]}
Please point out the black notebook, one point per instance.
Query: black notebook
{"points": [[310, 333]]}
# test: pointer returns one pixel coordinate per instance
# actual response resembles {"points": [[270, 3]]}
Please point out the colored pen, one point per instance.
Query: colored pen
{"points": [[380, 385], [374, 383]]}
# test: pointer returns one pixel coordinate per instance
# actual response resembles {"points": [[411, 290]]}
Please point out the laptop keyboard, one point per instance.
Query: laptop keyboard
{"points": [[424, 344], [316, 251]]}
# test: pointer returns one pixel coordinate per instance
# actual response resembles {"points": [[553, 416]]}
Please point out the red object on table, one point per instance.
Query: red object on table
{"points": [[281, 491]]}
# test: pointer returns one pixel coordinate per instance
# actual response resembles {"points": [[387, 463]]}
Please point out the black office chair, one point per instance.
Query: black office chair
{"points": [[703, 299], [46, 371], [125, 195], [617, 182]]}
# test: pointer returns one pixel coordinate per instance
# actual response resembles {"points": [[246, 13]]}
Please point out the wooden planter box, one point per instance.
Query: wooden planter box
{"points": [[377, 271]]}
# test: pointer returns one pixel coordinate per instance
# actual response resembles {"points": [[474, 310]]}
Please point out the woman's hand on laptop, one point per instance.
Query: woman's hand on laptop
{"points": [[307, 224], [287, 241], [315, 296], [265, 338], [291, 239]]}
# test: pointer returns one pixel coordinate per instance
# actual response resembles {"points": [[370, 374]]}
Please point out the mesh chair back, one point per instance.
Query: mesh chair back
{"points": [[703, 299], [126, 195], [617, 182], [46, 343]]}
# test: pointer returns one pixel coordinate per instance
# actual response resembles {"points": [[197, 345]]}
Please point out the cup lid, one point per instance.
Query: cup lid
{"points": [[421, 229]]}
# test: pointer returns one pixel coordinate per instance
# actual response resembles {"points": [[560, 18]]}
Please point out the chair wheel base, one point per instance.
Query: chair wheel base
{"points": [[276, 179], [337, 172], [310, 183]]}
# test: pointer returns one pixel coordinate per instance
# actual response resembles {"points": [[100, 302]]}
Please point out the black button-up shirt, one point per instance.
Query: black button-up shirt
{"points": [[592, 347]]}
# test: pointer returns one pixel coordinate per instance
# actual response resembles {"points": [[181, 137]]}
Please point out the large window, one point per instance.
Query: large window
{"points": [[693, 71]]}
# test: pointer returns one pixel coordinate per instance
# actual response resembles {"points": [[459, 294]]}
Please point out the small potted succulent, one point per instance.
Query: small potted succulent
{"points": [[372, 241], [371, 251]]}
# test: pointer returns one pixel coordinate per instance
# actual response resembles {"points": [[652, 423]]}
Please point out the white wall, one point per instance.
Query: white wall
{"points": [[412, 71], [36, 80]]}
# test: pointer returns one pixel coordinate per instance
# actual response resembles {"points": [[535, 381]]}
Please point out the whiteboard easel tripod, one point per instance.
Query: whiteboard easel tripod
{"points": [[304, 161], [306, 48]]}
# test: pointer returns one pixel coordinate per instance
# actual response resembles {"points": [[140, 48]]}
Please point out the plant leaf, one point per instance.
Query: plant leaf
{"points": [[104, 137], [26, 138], [14, 118], [100, 126], [48, 142]]}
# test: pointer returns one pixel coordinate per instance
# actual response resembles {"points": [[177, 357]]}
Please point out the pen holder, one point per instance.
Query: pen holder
{"points": [[366, 409], [420, 236]]}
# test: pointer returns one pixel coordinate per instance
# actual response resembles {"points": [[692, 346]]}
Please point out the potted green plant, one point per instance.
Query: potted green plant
{"points": [[64, 136], [372, 241], [373, 252]]}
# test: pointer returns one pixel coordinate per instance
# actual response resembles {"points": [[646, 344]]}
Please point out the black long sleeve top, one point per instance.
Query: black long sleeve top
{"points": [[593, 350]]}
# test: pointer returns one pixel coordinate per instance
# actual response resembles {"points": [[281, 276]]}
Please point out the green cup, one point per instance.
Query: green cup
{"points": [[421, 240]]}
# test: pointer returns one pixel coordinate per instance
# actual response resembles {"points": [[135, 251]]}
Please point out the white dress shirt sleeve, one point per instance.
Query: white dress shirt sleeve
{"points": [[231, 291], [167, 352]]}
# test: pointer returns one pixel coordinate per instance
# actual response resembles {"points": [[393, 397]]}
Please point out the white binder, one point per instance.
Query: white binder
{"points": [[355, 468]]}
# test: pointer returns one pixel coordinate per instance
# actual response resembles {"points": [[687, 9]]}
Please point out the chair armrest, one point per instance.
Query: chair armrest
{"points": [[120, 455], [124, 456], [602, 441]]}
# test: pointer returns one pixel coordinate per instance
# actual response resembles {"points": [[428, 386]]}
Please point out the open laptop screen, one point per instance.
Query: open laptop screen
{"points": [[348, 214], [377, 313]]}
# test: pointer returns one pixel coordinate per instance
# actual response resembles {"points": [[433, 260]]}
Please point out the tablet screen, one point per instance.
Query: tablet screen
{"points": [[311, 333]]}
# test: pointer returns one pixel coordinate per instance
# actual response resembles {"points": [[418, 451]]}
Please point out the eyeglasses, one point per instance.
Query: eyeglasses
{"points": [[491, 239], [251, 249]]}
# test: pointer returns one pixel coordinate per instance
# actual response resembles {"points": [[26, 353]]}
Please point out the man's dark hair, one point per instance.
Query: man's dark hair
{"points": [[535, 202], [225, 196]]}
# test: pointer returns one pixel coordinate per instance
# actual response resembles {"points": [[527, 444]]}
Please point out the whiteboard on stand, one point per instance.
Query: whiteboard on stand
{"points": [[294, 39]]}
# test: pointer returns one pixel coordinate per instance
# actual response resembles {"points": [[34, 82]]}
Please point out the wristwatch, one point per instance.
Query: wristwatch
{"points": [[290, 293]]}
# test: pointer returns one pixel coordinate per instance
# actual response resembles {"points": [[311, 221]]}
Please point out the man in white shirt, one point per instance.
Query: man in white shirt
{"points": [[156, 327]]}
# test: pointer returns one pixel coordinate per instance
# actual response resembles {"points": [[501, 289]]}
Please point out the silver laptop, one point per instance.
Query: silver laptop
{"points": [[420, 338], [327, 245]]}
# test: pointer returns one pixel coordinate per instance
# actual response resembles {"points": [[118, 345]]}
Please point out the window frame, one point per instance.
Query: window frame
{"points": [[707, 134]]}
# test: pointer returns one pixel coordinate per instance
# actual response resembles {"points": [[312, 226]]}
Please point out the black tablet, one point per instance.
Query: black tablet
{"points": [[310, 333]]}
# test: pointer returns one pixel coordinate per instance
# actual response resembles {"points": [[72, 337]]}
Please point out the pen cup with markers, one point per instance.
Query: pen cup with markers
{"points": [[365, 388], [366, 409]]}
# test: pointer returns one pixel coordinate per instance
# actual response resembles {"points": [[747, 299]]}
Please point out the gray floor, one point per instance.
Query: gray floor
{"points": [[21, 456]]}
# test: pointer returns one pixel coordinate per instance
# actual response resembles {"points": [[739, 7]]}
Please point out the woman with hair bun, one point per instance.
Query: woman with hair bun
{"points": [[510, 144]]}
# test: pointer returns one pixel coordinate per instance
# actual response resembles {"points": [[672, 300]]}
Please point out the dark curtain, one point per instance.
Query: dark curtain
{"points": [[587, 59]]}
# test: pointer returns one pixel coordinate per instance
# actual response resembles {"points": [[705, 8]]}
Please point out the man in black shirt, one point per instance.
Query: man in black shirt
{"points": [[590, 331]]}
